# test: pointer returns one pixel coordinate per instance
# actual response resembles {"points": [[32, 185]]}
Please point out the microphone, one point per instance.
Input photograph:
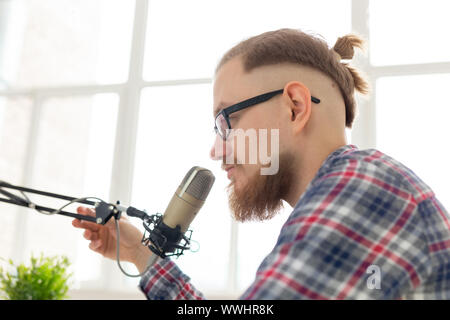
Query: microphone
{"points": [[167, 230]]}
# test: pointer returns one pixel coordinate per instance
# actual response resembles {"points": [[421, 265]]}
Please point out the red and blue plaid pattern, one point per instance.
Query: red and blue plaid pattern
{"points": [[362, 210]]}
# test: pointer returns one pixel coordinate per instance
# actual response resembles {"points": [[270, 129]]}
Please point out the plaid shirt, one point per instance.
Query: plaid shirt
{"points": [[365, 228]]}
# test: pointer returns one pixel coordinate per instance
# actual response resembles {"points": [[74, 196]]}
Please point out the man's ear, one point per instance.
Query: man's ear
{"points": [[298, 98]]}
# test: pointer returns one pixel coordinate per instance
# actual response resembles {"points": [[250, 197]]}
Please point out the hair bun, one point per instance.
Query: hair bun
{"points": [[344, 46]]}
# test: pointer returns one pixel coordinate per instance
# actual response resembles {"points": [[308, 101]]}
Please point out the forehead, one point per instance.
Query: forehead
{"points": [[231, 85], [229, 75], [226, 81]]}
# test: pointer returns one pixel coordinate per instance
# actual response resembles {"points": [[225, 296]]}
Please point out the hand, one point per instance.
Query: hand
{"points": [[103, 238]]}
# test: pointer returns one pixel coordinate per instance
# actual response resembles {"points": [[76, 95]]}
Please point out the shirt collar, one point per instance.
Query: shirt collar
{"points": [[340, 151], [349, 148]]}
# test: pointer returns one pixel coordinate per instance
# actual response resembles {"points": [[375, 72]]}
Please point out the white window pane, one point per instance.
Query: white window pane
{"points": [[56, 42], [175, 132], [409, 31], [186, 39], [412, 126], [74, 153], [15, 120]]}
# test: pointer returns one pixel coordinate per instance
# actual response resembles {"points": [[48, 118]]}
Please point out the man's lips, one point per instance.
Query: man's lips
{"points": [[229, 170]]}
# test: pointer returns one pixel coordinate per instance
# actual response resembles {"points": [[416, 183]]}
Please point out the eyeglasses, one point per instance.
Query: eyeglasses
{"points": [[222, 123]]}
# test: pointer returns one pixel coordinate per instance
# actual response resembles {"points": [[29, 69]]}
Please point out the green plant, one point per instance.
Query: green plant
{"points": [[45, 279]]}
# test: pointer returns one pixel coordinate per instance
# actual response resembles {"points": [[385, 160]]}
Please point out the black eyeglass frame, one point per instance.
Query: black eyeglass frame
{"points": [[245, 104]]}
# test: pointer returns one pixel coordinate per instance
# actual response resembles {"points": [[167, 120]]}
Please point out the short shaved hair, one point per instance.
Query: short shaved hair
{"points": [[295, 46]]}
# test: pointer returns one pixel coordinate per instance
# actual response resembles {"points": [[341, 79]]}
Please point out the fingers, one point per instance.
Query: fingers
{"points": [[91, 231], [77, 223], [95, 245], [96, 242], [85, 225], [89, 235], [86, 211]]}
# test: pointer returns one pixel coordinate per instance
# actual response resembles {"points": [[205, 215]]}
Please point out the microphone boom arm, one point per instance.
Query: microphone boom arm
{"points": [[103, 211], [161, 239]]}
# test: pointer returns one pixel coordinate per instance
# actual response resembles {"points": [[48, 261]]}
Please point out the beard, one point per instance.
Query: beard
{"points": [[261, 197]]}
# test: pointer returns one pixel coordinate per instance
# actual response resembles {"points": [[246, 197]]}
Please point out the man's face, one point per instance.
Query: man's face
{"points": [[252, 195]]}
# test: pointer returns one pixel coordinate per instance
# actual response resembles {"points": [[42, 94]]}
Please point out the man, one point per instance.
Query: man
{"points": [[363, 225]]}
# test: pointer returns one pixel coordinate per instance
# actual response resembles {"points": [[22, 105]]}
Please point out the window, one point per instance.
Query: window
{"points": [[15, 117], [68, 151], [418, 37], [113, 99], [424, 101], [56, 43], [410, 70], [188, 42]]}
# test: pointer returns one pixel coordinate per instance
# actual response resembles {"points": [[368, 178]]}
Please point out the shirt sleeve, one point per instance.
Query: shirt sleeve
{"points": [[352, 235], [165, 281]]}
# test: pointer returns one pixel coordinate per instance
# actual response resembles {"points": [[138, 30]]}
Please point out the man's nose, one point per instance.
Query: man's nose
{"points": [[221, 149]]}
